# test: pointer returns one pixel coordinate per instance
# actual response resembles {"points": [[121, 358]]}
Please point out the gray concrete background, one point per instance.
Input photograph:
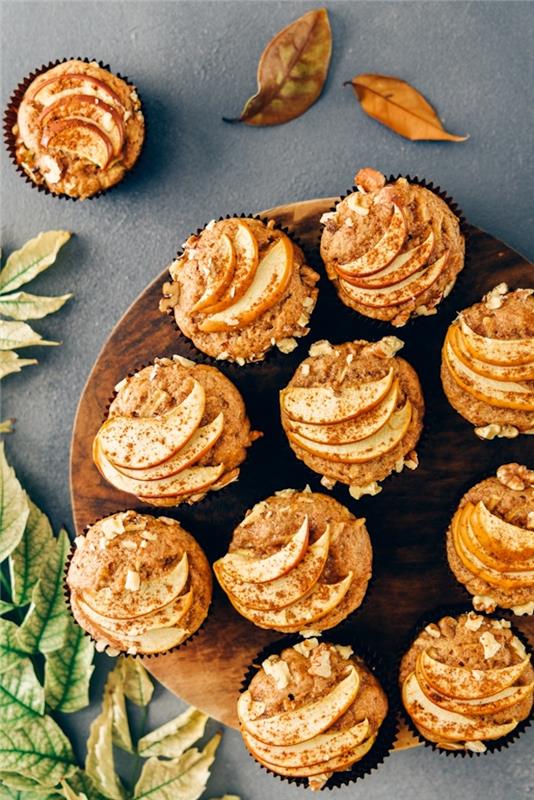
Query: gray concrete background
{"points": [[194, 62]]}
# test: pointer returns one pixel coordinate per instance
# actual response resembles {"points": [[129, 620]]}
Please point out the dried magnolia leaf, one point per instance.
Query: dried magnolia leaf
{"points": [[291, 72], [39, 749], [170, 740], [27, 558], [79, 786], [14, 786], [120, 728], [136, 684], [35, 256], [21, 305], [19, 334], [99, 764], [10, 362], [10, 652], [68, 672], [14, 509], [21, 694], [182, 778], [400, 107]]}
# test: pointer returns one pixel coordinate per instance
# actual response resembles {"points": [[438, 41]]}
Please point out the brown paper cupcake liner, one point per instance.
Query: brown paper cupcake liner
{"points": [[388, 730], [491, 746], [10, 120], [273, 355], [115, 651]]}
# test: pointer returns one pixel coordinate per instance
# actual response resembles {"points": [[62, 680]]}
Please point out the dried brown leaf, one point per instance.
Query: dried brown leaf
{"points": [[399, 106], [291, 72]]}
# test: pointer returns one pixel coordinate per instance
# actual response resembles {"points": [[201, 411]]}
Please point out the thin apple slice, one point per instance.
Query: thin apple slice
{"points": [[87, 105], [300, 724], [44, 92], [469, 684], [311, 752], [402, 267], [452, 726], [374, 446], [400, 292], [168, 616], [322, 405], [521, 372], [503, 394], [141, 442], [352, 430], [381, 253], [476, 547], [509, 541], [246, 264], [322, 599], [199, 444], [504, 352], [79, 137], [261, 570], [334, 764], [219, 274], [268, 286], [152, 594], [284, 591]]}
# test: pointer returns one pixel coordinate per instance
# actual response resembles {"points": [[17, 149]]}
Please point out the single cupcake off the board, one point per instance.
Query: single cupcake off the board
{"points": [[487, 367], [490, 541], [353, 413], [175, 431], [392, 250], [240, 287]]}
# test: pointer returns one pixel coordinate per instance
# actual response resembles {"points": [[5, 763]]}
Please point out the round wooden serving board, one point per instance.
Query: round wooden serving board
{"points": [[407, 520]]}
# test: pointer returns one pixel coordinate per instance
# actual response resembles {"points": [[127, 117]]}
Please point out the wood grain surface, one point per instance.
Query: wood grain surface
{"points": [[407, 520]]}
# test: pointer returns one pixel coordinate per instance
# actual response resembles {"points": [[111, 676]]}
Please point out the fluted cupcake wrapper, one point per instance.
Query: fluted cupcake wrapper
{"points": [[388, 730], [114, 650], [428, 618], [10, 120]]}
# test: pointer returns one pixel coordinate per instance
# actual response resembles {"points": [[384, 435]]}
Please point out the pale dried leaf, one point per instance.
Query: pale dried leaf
{"points": [[174, 737], [21, 305], [99, 764], [19, 334], [26, 560], [14, 508], [136, 684], [35, 256], [182, 778], [10, 362]]}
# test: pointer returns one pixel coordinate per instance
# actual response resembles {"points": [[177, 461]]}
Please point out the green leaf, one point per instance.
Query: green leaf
{"points": [[34, 257], [136, 684], [10, 651], [99, 764], [13, 508], [80, 784], [21, 694], [182, 778], [5, 608], [68, 672], [21, 305], [174, 737], [45, 625], [9, 363], [38, 748], [120, 728], [19, 334], [26, 560]]}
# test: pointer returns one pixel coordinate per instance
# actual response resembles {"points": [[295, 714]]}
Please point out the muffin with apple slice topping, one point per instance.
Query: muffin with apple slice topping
{"points": [[354, 413], [138, 584], [299, 560], [79, 129], [174, 431], [393, 251], [240, 287], [312, 711], [487, 367], [467, 682], [490, 541]]}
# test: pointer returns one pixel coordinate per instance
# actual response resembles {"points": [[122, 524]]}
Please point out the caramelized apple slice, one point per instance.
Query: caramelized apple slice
{"points": [[468, 684], [338, 763], [79, 137], [219, 273], [524, 372], [402, 267], [261, 570], [507, 540], [300, 724], [284, 591], [497, 351], [106, 117], [141, 442], [168, 616], [374, 446], [400, 292], [477, 548], [50, 90], [267, 288], [246, 265], [322, 405], [381, 253]]}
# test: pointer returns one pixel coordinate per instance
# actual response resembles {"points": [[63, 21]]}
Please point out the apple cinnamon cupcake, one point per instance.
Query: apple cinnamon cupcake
{"points": [[76, 129], [240, 287], [490, 541], [353, 413], [138, 584], [175, 430], [299, 560], [487, 367], [467, 682], [313, 712], [392, 250]]}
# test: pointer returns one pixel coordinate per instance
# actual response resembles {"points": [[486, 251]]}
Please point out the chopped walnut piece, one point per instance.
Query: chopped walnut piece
{"points": [[359, 203], [371, 488], [320, 664], [476, 747], [306, 647], [387, 347], [494, 298], [490, 644], [133, 581], [493, 430], [473, 621], [369, 179], [327, 482], [277, 669], [482, 602], [515, 476], [433, 630], [321, 348]]}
